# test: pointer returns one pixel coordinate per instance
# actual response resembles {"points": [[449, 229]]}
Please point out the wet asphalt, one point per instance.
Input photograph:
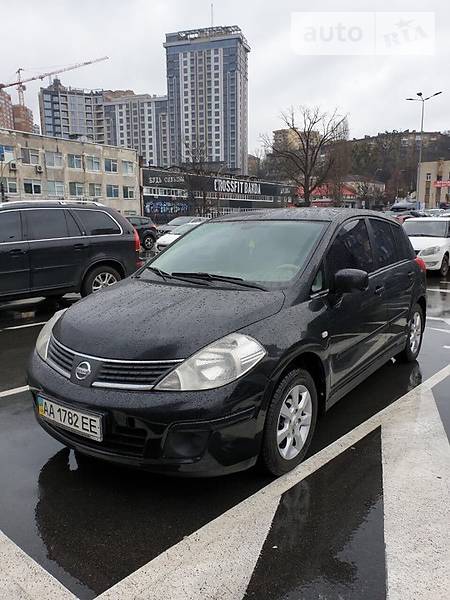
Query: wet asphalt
{"points": [[91, 524]]}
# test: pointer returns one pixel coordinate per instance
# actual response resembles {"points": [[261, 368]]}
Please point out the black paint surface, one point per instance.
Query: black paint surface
{"points": [[327, 536]]}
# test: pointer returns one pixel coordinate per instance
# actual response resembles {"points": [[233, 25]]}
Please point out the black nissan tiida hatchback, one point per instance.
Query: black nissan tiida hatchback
{"points": [[226, 347]]}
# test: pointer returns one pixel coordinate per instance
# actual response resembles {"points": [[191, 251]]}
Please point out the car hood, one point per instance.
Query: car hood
{"points": [[168, 238], [141, 320], [420, 243]]}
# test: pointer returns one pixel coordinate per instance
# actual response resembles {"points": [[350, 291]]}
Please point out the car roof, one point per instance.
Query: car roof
{"points": [[336, 215], [50, 204]]}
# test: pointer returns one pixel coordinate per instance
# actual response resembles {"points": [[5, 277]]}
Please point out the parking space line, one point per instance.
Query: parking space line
{"points": [[438, 290], [23, 326], [437, 329], [203, 564], [12, 391]]}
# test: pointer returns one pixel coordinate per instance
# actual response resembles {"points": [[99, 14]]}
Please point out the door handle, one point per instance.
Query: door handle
{"points": [[379, 290], [79, 246], [17, 252], [410, 274]]}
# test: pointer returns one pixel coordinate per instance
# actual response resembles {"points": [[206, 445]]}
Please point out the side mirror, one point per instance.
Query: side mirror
{"points": [[350, 280]]}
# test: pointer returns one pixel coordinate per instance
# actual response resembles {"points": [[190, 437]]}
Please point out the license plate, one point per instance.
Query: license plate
{"points": [[85, 424]]}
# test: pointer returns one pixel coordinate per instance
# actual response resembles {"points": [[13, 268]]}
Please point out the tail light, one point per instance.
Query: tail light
{"points": [[137, 241], [421, 263]]}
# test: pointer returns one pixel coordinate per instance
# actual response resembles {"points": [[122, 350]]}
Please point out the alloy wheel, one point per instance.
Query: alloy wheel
{"points": [[294, 422], [103, 280], [415, 332]]}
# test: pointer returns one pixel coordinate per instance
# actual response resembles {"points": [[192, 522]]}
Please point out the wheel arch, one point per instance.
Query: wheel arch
{"points": [[314, 364], [110, 262]]}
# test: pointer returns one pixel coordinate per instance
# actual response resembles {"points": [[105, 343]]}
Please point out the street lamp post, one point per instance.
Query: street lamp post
{"points": [[421, 99]]}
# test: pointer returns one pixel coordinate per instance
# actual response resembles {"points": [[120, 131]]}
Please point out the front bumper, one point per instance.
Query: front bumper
{"points": [[432, 262], [204, 433]]}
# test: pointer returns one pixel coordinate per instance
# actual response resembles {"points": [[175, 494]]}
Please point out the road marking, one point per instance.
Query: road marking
{"points": [[438, 290], [23, 326], [446, 347], [416, 463], [13, 391], [168, 575], [437, 329]]}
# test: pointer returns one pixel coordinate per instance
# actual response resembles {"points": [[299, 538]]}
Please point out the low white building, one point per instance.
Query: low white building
{"points": [[434, 185], [38, 167]]}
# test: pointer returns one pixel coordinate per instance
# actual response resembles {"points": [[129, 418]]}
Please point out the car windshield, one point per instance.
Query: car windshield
{"points": [[253, 251], [179, 221], [428, 228]]}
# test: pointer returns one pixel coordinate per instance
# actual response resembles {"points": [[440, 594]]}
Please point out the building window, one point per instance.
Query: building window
{"points": [[428, 178], [112, 191], [127, 167], [92, 163], [74, 161], [128, 191], [53, 159], [32, 186], [30, 156], [6, 153], [110, 165], [11, 186], [76, 189], [95, 190], [55, 188]]}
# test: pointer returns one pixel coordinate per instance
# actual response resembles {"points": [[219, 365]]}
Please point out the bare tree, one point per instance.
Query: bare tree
{"points": [[308, 149], [196, 164]]}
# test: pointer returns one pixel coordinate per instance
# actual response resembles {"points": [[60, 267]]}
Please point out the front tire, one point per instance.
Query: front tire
{"points": [[100, 277], [444, 266], [416, 326], [290, 422]]}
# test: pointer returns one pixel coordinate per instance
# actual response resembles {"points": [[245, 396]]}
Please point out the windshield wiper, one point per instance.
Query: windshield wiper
{"points": [[224, 278]]}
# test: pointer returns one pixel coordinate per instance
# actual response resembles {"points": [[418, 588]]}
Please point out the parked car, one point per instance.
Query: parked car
{"points": [[233, 341], [170, 226], [52, 248], [146, 230], [430, 238], [168, 238]]}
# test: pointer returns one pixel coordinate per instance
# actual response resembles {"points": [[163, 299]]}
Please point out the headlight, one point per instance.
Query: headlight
{"points": [[430, 251], [46, 332], [219, 363]]}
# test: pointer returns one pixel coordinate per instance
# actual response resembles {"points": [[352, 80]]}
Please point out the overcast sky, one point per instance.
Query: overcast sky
{"points": [[370, 89]]}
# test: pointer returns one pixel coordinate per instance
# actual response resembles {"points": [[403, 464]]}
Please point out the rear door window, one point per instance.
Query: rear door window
{"points": [[351, 249], [72, 225], [10, 227], [402, 243], [97, 222], [46, 223], [385, 250]]}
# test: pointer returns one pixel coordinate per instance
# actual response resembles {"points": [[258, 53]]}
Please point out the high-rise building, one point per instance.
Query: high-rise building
{"points": [[207, 96], [6, 111], [71, 113], [138, 121]]}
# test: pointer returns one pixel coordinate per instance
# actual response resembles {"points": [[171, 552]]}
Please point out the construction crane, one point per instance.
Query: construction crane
{"points": [[20, 82]]}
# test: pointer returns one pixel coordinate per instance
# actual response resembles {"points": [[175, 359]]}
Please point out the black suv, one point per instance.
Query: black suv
{"points": [[55, 247], [146, 229], [234, 340]]}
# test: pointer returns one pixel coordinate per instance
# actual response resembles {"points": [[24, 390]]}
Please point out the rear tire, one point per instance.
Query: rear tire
{"points": [[98, 278], [290, 423], [416, 326], [148, 242]]}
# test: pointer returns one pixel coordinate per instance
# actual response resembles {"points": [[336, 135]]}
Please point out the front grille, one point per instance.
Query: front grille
{"points": [[110, 373], [136, 374], [60, 357]]}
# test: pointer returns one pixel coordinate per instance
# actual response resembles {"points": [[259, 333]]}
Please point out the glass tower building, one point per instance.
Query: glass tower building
{"points": [[207, 90]]}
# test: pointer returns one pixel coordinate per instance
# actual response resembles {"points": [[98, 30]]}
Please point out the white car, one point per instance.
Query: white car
{"points": [[430, 238], [168, 238]]}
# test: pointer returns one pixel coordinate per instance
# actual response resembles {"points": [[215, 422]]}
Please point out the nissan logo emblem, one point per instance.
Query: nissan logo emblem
{"points": [[83, 370]]}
